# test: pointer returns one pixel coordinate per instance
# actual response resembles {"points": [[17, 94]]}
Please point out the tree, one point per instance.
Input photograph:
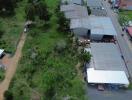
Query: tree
{"points": [[30, 12], [8, 95], [63, 23], [7, 6], [37, 8], [42, 11], [85, 56]]}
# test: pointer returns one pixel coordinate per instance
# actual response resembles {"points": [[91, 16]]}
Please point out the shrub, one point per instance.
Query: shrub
{"points": [[8, 95]]}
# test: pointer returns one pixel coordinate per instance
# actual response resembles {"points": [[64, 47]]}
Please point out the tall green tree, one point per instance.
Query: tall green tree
{"points": [[7, 6], [37, 8], [63, 23]]}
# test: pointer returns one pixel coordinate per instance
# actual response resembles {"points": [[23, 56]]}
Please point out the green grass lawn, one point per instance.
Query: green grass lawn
{"points": [[51, 76], [125, 16], [13, 27], [126, 13]]}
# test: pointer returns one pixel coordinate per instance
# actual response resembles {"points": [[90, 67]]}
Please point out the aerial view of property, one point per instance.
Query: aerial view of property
{"points": [[65, 49]]}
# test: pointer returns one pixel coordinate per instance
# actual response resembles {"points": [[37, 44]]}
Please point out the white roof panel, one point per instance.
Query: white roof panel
{"points": [[101, 76], [1, 51]]}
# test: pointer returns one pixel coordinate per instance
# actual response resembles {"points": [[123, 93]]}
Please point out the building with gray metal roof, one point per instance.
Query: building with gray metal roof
{"points": [[101, 26], [94, 3], [97, 26], [80, 26], [80, 2], [106, 56], [74, 11], [96, 7]]}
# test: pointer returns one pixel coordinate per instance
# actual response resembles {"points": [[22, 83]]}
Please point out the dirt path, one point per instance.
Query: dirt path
{"points": [[11, 66]]}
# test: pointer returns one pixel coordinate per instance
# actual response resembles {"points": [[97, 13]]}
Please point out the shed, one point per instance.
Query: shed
{"points": [[109, 77], [74, 11]]}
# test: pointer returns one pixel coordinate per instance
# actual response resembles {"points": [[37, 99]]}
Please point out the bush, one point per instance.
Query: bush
{"points": [[8, 95], [60, 46]]}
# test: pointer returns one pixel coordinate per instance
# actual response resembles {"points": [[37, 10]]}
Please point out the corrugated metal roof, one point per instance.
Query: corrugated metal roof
{"points": [[98, 25], [102, 25], [94, 3], [69, 7], [74, 11], [106, 56], [80, 23], [72, 1]]}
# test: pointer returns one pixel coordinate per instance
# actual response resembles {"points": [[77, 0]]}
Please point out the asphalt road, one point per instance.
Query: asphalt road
{"points": [[123, 41], [94, 94]]}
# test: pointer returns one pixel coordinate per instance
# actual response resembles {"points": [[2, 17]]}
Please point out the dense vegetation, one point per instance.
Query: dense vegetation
{"points": [[12, 26], [47, 70], [7, 7], [124, 16], [2, 72]]}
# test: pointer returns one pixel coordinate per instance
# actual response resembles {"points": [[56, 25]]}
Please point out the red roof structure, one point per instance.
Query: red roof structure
{"points": [[129, 29], [124, 3]]}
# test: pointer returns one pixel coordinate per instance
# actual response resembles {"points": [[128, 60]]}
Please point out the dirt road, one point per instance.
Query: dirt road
{"points": [[11, 66]]}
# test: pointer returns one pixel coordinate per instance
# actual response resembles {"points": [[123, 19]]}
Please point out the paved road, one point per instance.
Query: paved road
{"points": [[124, 43], [94, 94]]}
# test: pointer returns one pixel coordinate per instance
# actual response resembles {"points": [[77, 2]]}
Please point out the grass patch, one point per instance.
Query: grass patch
{"points": [[44, 72], [124, 17]]}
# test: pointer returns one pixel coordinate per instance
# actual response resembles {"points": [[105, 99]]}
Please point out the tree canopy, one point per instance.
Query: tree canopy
{"points": [[37, 8], [7, 6]]}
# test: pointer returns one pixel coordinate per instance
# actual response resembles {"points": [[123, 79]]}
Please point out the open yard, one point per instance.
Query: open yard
{"points": [[47, 70]]}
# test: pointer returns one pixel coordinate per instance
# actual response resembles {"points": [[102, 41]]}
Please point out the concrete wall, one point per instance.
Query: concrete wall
{"points": [[96, 37]]}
